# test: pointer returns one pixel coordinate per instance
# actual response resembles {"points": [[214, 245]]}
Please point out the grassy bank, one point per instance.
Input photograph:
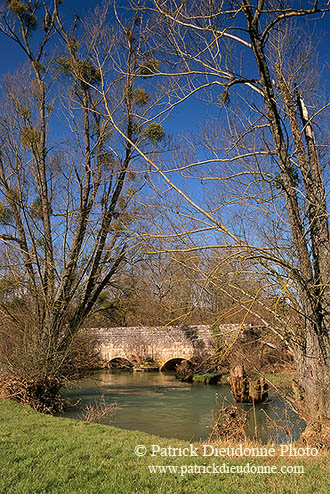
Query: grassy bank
{"points": [[44, 454], [280, 378]]}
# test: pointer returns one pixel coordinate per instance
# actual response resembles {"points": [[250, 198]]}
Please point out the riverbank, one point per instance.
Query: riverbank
{"points": [[46, 454], [283, 379]]}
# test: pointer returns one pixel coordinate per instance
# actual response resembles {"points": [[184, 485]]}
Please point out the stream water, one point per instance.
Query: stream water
{"points": [[159, 404]]}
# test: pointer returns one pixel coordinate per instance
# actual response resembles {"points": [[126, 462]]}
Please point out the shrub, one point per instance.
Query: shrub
{"points": [[96, 411]]}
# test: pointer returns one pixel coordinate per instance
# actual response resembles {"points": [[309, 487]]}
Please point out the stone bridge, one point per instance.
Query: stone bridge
{"points": [[157, 347]]}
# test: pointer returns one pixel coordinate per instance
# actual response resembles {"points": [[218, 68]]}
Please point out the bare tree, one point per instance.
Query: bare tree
{"points": [[67, 183], [268, 169]]}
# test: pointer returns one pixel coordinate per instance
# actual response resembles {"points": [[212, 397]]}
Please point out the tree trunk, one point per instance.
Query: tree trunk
{"points": [[313, 350], [313, 367], [239, 384], [247, 389]]}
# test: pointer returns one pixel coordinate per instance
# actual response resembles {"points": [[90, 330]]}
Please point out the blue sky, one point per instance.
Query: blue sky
{"points": [[193, 110], [11, 54], [12, 57], [187, 118]]}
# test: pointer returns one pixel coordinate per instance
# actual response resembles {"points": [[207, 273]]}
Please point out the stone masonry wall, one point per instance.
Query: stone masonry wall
{"points": [[157, 343]]}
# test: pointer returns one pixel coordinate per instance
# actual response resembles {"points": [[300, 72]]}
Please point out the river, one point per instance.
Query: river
{"points": [[157, 403]]}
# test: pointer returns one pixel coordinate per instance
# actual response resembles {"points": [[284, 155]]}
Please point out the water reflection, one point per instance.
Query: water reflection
{"points": [[159, 404]]}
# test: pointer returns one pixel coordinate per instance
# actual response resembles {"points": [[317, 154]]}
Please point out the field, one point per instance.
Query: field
{"points": [[44, 454]]}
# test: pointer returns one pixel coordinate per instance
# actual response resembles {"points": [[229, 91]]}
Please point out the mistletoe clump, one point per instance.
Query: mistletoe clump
{"points": [[30, 137], [36, 210], [154, 132], [80, 69], [6, 214], [24, 13], [140, 96], [149, 67]]}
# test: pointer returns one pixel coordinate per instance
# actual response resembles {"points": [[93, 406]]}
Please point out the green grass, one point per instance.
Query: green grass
{"points": [[204, 378], [43, 454], [280, 378]]}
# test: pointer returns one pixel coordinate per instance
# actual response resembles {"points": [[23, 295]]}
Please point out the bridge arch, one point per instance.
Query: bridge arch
{"points": [[120, 363], [172, 363]]}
